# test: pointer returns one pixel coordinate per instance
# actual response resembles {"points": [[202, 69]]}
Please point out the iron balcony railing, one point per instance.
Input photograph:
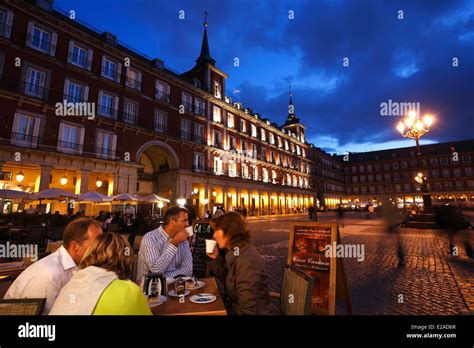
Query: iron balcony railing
{"points": [[112, 74], [78, 60], [185, 135], [132, 83], [198, 139], [4, 29]]}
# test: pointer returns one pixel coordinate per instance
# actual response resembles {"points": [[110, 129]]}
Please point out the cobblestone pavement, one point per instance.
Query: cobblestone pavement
{"points": [[432, 282]]}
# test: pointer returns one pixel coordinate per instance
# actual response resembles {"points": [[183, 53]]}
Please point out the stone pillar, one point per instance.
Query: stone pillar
{"points": [[45, 175], [82, 183], [225, 199]]}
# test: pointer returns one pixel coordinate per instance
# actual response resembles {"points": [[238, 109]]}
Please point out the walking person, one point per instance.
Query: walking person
{"points": [[340, 215]]}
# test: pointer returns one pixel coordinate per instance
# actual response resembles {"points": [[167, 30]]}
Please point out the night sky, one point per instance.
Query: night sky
{"points": [[403, 60]]}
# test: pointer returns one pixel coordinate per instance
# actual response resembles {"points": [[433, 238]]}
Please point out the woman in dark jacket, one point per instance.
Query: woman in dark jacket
{"points": [[240, 267]]}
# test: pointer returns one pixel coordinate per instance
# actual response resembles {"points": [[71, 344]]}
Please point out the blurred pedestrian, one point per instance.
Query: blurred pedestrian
{"points": [[451, 219], [340, 214], [392, 219]]}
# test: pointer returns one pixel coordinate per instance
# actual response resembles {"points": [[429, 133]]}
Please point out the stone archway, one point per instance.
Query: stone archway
{"points": [[160, 163]]}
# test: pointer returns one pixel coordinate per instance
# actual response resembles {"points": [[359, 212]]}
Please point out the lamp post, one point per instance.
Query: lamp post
{"points": [[414, 128]]}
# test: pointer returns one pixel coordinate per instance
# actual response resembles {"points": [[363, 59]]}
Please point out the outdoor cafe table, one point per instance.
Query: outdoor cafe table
{"points": [[174, 307]]}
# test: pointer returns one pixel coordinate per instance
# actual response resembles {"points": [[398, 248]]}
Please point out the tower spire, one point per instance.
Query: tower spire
{"points": [[291, 108], [205, 56]]}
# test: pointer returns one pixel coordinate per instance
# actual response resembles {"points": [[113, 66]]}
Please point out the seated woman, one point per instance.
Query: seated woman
{"points": [[240, 267], [102, 285]]}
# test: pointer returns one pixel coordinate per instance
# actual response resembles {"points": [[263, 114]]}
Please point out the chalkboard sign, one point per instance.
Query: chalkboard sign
{"points": [[202, 231], [307, 251]]}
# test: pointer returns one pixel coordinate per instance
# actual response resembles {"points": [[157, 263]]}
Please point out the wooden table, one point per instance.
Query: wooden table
{"points": [[174, 307]]}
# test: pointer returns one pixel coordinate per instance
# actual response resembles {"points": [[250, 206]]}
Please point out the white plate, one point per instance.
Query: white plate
{"points": [[162, 299], [173, 293], [199, 284], [203, 298]]}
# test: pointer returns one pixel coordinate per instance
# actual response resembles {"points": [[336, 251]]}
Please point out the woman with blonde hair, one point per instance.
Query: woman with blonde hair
{"points": [[103, 285]]}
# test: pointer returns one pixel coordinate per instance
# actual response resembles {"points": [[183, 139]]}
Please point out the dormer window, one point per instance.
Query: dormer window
{"points": [[217, 90]]}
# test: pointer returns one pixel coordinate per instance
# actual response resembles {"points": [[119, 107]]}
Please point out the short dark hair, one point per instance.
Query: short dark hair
{"points": [[77, 229], [234, 226], [172, 213]]}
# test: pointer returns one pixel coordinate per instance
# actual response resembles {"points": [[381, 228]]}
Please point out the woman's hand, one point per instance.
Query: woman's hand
{"points": [[214, 254]]}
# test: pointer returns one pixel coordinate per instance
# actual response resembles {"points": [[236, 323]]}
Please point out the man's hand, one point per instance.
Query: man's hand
{"points": [[179, 237], [214, 254]]}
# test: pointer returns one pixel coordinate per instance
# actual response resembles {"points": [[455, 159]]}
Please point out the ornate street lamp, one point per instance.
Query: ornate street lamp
{"points": [[414, 128]]}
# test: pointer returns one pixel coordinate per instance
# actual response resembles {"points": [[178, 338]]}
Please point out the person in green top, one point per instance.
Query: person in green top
{"points": [[102, 286]]}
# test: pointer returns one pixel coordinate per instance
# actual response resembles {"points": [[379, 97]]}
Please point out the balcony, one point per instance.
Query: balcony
{"points": [[218, 145], [129, 118], [105, 153], [162, 96], [114, 75], [33, 90], [185, 135], [79, 61], [40, 45], [198, 139], [188, 107], [68, 147], [133, 84], [107, 111], [199, 111], [5, 30], [23, 140], [160, 127]]}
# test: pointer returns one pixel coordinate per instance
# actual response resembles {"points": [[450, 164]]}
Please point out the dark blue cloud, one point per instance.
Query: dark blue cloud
{"points": [[405, 60]]}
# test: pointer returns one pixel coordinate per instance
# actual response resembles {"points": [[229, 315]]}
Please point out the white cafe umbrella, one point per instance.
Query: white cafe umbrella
{"points": [[94, 197], [13, 194], [125, 197], [53, 194], [153, 198]]}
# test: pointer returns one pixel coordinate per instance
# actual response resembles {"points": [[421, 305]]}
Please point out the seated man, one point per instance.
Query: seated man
{"points": [[46, 277], [166, 250]]}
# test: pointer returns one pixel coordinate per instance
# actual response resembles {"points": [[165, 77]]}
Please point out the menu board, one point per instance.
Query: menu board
{"points": [[307, 251], [202, 231]]}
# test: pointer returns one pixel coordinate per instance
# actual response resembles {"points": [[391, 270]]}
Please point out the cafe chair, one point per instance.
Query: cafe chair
{"points": [[296, 292], [30, 306]]}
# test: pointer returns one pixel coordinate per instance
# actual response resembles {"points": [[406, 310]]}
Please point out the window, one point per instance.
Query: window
{"points": [[286, 145], [71, 138], [448, 185], [134, 79], [435, 173], [232, 169], [80, 56], [274, 176], [272, 156], [271, 138], [217, 90], [35, 83], [216, 114], [255, 173], [288, 179], [280, 144], [187, 101], [196, 83], [162, 91], [185, 129], [265, 174], [25, 130], [263, 154], [245, 171], [468, 171], [232, 143], [470, 183], [6, 21], [41, 39], [230, 120], [443, 161], [292, 148], [437, 186], [243, 146], [217, 166], [75, 92], [243, 126], [433, 161], [395, 165], [217, 139], [459, 184], [298, 151], [396, 176], [253, 130], [160, 121], [303, 152], [387, 176], [108, 105], [130, 111], [254, 152], [466, 159], [446, 173], [106, 143], [404, 164], [198, 161], [110, 69], [457, 171], [199, 107], [263, 136], [199, 133]]}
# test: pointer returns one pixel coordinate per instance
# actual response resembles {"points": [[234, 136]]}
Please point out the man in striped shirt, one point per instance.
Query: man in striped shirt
{"points": [[166, 249]]}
